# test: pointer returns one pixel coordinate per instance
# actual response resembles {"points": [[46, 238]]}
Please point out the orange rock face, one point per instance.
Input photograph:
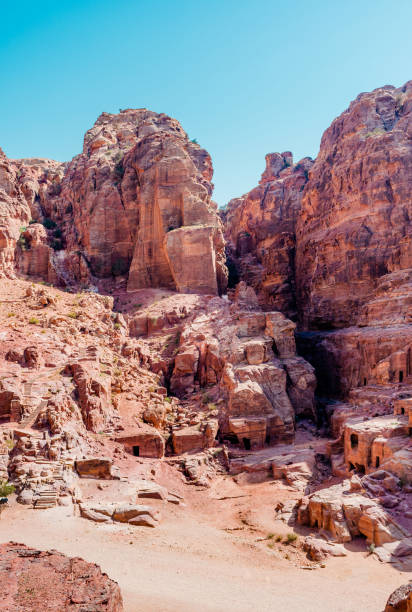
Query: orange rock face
{"points": [[347, 217], [353, 231], [138, 189], [260, 231], [26, 249], [135, 204], [246, 359]]}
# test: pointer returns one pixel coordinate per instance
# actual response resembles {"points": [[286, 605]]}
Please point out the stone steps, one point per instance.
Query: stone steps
{"points": [[29, 419], [46, 498]]}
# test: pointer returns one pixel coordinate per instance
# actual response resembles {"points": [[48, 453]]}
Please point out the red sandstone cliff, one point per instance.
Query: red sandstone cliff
{"points": [[354, 227], [260, 231], [135, 204], [348, 217]]}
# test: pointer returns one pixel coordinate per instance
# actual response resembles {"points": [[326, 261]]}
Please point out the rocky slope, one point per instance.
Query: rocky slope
{"points": [[48, 580], [347, 215], [348, 283]]}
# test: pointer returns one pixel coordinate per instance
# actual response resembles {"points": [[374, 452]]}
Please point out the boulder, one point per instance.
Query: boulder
{"points": [[400, 600], [121, 513], [148, 489], [96, 467], [53, 581], [319, 549]]}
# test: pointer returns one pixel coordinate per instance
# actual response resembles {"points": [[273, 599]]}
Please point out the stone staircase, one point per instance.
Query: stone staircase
{"points": [[31, 415], [46, 494], [44, 498], [54, 467]]}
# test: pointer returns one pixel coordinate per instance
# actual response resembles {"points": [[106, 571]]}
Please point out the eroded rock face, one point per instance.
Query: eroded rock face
{"points": [[351, 281], [247, 359], [135, 203], [354, 224], [346, 515], [400, 600], [138, 189], [53, 581], [358, 357], [260, 231], [14, 213], [27, 248]]}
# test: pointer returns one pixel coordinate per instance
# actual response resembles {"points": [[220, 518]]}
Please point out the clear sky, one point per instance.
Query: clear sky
{"points": [[243, 77]]}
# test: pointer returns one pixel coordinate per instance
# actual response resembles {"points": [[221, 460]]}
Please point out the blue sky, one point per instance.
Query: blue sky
{"points": [[244, 77]]}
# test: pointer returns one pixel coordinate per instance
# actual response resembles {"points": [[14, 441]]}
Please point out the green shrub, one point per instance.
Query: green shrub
{"points": [[57, 244], [194, 140], [119, 170], [34, 321], [22, 243], [374, 133], [49, 223], [291, 537], [73, 315], [6, 488]]}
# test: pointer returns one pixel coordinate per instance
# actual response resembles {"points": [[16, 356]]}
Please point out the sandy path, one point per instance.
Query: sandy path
{"points": [[187, 566]]}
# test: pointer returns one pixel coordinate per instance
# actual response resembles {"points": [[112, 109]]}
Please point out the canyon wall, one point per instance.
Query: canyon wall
{"points": [[326, 242], [329, 243], [354, 224], [260, 232]]}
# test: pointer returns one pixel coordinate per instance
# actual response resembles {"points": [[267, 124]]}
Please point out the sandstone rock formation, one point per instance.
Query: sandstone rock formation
{"points": [[138, 515], [247, 359], [47, 580], [24, 185], [358, 357], [260, 231], [163, 375], [135, 203], [14, 213], [353, 232], [400, 600]]}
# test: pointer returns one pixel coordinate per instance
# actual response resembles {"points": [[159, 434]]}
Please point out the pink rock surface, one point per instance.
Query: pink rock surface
{"points": [[47, 580]]}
